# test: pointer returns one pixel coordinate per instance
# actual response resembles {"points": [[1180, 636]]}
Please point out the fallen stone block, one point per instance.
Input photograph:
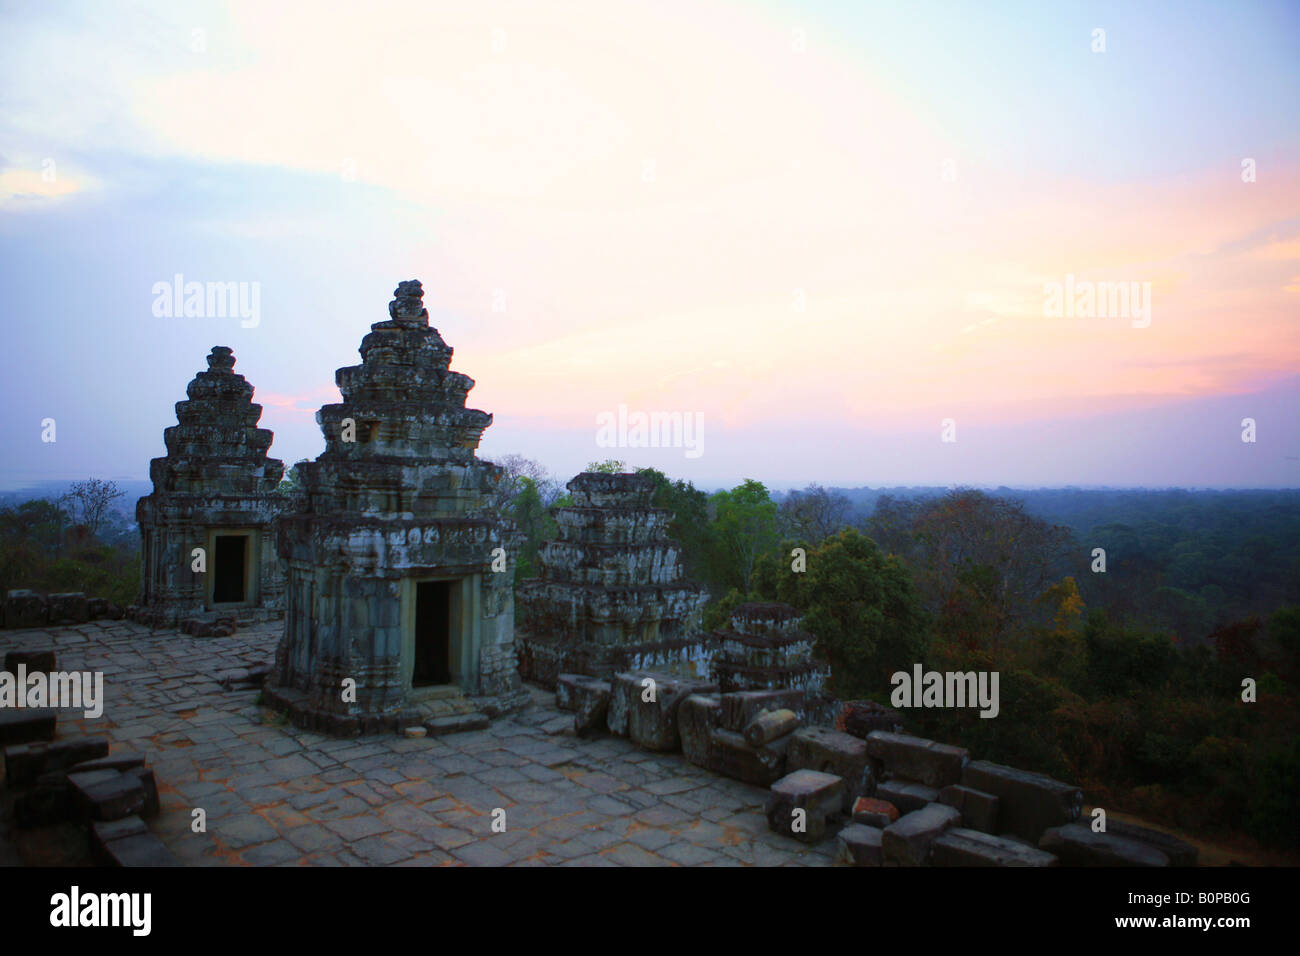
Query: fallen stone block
{"points": [[25, 608], [741, 707], [122, 760], [769, 725], [697, 717], [35, 661], [565, 685], [906, 842], [800, 803], [907, 795], [68, 608], [979, 810], [915, 758], [105, 832], [860, 717], [456, 723], [26, 762], [108, 794], [647, 712], [860, 845], [960, 846], [732, 757], [142, 849], [1028, 803], [1077, 845], [587, 697], [1180, 852], [873, 812], [830, 751], [24, 725]]}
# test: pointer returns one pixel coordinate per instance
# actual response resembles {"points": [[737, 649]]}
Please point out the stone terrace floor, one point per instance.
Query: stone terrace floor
{"points": [[276, 795]]}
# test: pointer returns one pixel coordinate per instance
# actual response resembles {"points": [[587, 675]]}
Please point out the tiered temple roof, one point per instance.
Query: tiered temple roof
{"points": [[610, 593], [766, 648], [215, 480]]}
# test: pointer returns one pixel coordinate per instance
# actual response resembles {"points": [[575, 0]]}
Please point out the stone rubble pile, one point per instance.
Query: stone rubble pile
{"points": [[78, 780], [907, 801], [27, 608]]}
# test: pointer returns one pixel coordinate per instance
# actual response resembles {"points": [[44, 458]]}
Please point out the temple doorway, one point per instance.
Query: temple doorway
{"points": [[432, 633], [229, 567]]}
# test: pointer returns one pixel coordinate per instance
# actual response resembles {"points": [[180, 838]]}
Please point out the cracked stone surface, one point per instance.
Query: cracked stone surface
{"points": [[275, 795]]}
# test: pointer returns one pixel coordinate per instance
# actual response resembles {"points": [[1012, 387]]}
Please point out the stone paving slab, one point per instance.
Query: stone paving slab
{"points": [[275, 795]]}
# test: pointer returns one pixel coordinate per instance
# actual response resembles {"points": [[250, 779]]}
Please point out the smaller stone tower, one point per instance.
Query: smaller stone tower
{"points": [[212, 507], [610, 594], [766, 648]]}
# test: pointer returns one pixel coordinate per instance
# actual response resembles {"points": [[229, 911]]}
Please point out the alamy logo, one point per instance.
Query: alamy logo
{"points": [[624, 429], [924, 688], [74, 909], [1098, 300], [77, 690], [208, 300]]}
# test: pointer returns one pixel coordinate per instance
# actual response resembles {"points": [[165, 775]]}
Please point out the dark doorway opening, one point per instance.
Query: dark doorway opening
{"points": [[228, 567], [432, 633]]}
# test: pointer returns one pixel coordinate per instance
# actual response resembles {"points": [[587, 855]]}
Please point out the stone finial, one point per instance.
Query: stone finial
{"points": [[408, 303], [222, 358]]}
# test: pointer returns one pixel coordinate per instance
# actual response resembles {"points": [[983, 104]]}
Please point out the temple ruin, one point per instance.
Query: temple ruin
{"points": [[610, 594], [206, 548], [398, 602], [766, 648]]}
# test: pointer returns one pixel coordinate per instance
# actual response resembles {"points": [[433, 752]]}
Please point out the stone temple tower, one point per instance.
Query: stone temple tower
{"points": [[215, 491], [398, 602], [611, 593]]}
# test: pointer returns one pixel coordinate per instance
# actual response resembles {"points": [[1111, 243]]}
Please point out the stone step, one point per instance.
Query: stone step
{"points": [[127, 842], [125, 760], [455, 724], [107, 795]]}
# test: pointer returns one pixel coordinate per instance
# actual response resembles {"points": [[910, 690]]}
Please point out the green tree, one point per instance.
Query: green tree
{"points": [[860, 605], [744, 527], [535, 523]]}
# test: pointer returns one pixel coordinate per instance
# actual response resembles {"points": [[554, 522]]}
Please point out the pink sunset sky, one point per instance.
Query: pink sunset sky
{"points": [[823, 232]]}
